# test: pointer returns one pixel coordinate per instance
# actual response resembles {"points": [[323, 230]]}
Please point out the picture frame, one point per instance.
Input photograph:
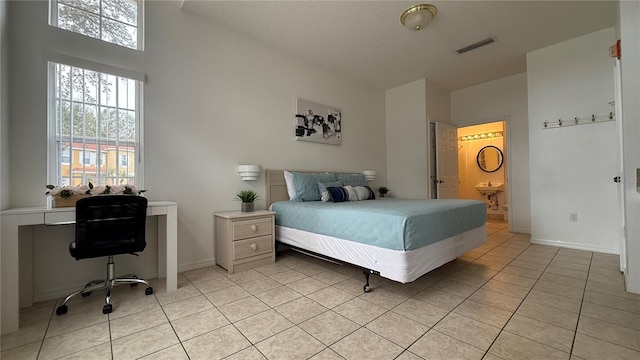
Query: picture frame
{"points": [[318, 123]]}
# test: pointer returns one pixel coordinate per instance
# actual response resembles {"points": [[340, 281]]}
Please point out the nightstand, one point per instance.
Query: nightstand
{"points": [[244, 240]]}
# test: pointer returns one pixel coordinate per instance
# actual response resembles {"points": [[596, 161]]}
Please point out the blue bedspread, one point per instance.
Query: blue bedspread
{"points": [[389, 223]]}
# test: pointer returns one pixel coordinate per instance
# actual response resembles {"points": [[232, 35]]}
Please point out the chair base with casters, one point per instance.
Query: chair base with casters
{"points": [[108, 284]]}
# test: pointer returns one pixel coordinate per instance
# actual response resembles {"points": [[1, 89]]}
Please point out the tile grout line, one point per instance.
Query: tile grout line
{"points": [[584, 290]]}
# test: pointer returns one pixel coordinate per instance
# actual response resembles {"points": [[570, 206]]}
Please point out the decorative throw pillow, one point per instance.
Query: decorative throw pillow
{"points": [[338, 193], [352, 195], [364, 193], [325, 195], [307, 185], [352, 179]]}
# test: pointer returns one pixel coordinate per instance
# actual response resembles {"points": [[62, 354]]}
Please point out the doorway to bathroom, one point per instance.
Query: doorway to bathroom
{"points": [[482, 166]]}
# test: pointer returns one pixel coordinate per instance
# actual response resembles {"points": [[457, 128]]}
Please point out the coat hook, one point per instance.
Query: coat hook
{"points": [[593, 117], [545, 124], [576, 120], [610, 115], [560, 122]]}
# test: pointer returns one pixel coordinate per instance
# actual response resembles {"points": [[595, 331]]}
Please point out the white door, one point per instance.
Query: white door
{"points": [[620, 176], [447, 161]]}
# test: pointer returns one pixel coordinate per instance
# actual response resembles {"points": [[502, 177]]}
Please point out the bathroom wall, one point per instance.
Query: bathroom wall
{"points": [[470, 173]]}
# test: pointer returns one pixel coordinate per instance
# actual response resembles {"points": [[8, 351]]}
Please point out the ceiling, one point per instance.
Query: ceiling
{"points": [[364, 40]]}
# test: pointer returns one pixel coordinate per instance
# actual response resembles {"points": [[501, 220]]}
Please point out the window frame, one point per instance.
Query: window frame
{"points": [[53, 155], [53, 21]]}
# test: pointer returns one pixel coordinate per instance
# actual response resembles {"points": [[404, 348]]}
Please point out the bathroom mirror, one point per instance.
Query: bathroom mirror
{"points": [[490, 158]]}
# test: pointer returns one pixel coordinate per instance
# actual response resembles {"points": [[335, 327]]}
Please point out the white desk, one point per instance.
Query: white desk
{"points": [[12, 282]]}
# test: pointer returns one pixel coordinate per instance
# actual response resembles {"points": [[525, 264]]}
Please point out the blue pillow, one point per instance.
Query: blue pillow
{"points": [[306, 185], [325, 196], [352, 179], [338, 194]]}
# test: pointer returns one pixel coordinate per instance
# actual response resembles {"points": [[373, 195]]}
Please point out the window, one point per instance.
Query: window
{"points": [[66, 156], [94, 127], [116, 21]]}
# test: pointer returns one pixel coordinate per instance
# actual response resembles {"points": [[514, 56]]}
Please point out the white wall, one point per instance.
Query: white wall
{"points": [[406, 125], [503, 99], [572, 167], [630, 64], [213, 99]]}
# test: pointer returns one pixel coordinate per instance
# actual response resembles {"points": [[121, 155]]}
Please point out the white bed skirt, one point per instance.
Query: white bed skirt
{"points": [[402, 266]]}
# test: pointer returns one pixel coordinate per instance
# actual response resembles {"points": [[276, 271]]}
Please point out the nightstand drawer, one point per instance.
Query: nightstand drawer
{"points": [[251, 228], [251, 247]]}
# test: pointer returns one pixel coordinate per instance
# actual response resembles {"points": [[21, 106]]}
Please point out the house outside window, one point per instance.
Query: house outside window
{"points": [[119, 22]]}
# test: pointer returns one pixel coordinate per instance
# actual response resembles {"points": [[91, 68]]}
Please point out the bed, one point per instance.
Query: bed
{"points": [[397, 239]]}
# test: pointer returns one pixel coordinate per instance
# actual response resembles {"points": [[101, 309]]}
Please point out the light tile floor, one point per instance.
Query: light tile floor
{"points": [[507, 299]]}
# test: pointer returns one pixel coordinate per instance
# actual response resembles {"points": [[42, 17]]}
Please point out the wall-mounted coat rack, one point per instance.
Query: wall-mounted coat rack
{"points": [[548, 124]]}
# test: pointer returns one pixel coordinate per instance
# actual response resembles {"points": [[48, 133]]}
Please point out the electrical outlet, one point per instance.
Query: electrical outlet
{"points": [[573, 217]]}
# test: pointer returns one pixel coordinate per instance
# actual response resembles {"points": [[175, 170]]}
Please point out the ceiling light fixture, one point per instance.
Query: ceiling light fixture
{"points": [[418, 16]]}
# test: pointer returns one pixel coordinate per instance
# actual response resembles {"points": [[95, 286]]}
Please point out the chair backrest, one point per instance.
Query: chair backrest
{"points": [[110, 225]]}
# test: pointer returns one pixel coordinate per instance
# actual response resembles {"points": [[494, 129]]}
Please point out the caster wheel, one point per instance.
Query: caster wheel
{"points": [[148, 291], [107, 309], [85, 294], [61, 310], [366, 288]]}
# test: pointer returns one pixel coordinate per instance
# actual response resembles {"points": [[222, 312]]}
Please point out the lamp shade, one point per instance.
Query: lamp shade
{"points": [[418, 16], [370, 175], [249, 172]]}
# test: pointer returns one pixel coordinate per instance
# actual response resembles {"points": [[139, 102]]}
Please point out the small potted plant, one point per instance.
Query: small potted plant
{"points": [[383, 190], [247, 197]]}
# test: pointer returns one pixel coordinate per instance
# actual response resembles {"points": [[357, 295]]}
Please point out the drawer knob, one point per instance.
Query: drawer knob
{"points": [[254, 246], [254, 228]]}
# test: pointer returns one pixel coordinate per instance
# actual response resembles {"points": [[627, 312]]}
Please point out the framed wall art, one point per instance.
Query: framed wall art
{"points": [[318, 123]]}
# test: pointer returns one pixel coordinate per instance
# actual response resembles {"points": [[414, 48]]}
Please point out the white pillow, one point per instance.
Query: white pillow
{"points": [[291, 189], [362, 192], [353, 196]]}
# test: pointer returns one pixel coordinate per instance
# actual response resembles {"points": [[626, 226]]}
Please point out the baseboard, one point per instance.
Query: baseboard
{"points": [[521, 230], [196, 264], [61, 292], [567, 245]]}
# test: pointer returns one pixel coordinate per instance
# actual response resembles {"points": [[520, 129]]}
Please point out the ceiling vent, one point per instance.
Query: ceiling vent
{"points": [[481, 43]]}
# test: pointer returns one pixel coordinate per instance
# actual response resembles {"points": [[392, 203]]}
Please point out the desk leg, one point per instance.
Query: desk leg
{"points": [[168, 247], [10, 279]]}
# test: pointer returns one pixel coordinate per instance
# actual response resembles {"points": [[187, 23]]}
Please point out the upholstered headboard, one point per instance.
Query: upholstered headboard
{"points": [[276, 188]]}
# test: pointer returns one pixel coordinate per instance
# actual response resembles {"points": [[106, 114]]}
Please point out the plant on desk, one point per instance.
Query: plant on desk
{"points": [[68, 195], [247, 197]]}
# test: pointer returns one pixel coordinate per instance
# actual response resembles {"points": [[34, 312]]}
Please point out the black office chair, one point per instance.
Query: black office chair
{"points": [[108, 225]]}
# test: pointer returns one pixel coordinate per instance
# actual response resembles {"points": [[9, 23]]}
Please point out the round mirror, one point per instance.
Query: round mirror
{"points": [[490, 158]]}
